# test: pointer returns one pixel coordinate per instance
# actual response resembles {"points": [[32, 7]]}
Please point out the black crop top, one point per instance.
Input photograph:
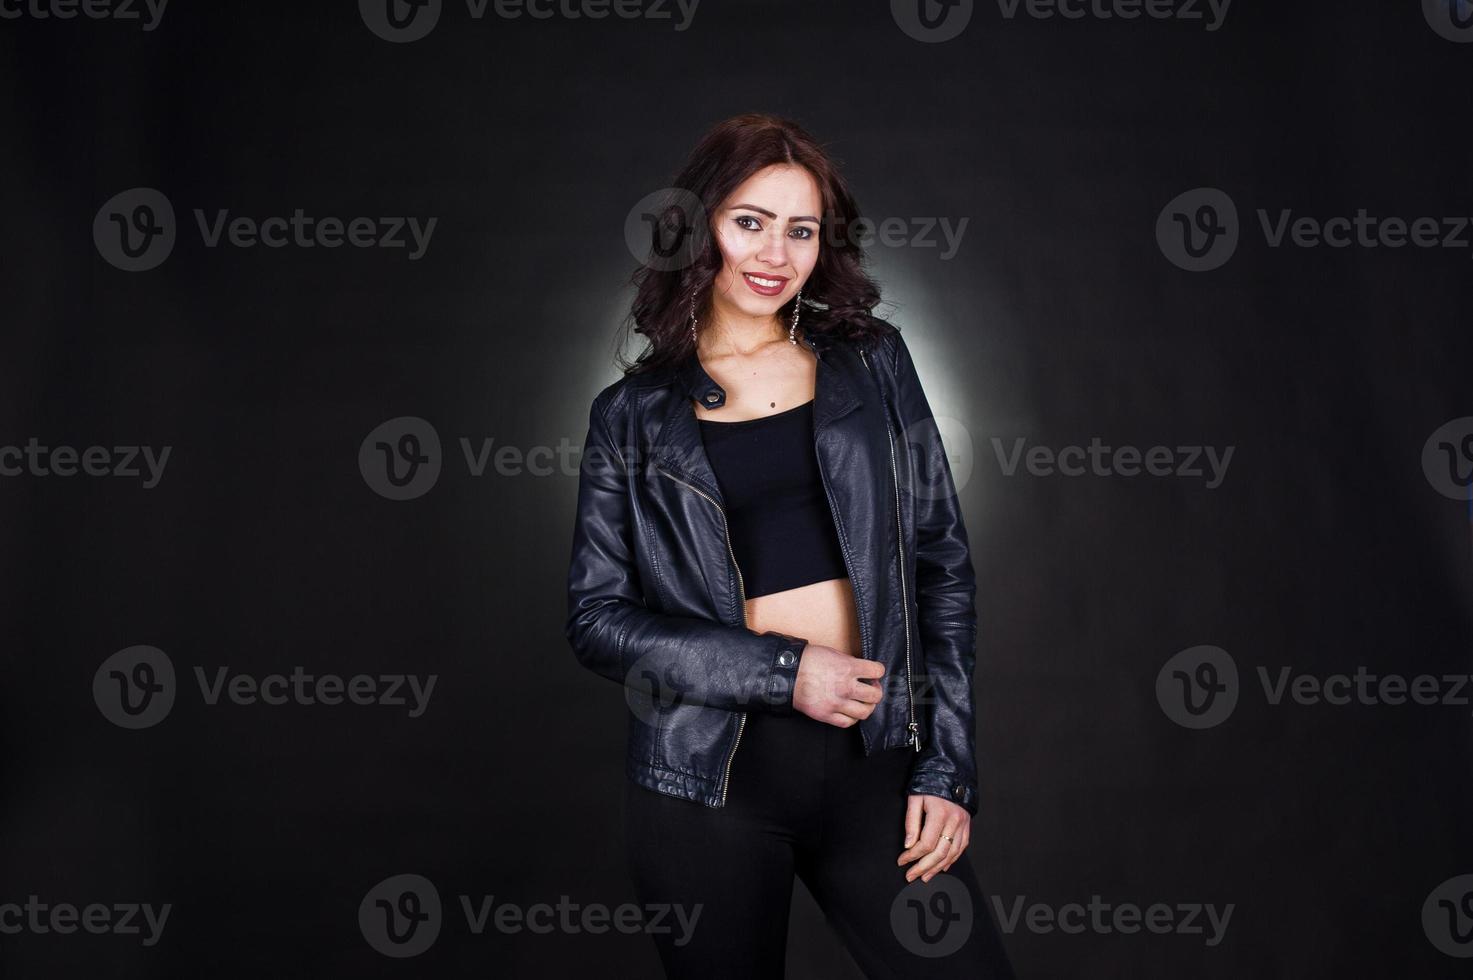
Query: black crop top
{"points": [[782, 531]]}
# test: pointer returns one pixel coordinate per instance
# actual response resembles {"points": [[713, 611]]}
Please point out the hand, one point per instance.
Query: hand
{"points": [[834, 687], [928, 842]]}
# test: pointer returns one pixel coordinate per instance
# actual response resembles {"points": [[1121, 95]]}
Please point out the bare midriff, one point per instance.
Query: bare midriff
{"points": [[820, 612]]}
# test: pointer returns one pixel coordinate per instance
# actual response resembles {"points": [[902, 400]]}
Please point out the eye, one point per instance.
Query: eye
{"points": [[743, 219], [803, 232]]}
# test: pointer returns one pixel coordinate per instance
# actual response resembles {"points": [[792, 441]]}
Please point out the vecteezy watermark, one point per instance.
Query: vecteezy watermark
{"points": [[667, 230], [1102, 918], [135, 230], [896, 232], [63, 918], [1447, 916], [147, 12], [1370, 231], [1198, 230], [402, 21], [932, 918], [1199, 688], [657, 682], [36, 459], [1184, 462], [1451, 19], [135, 688], [401, 459], [1210, 13], [1447, 458], [934, 21], [402, 916], [943, 455]]}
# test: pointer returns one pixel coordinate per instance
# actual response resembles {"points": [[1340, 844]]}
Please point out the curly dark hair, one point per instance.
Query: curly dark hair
{"points": [[839, 294]]}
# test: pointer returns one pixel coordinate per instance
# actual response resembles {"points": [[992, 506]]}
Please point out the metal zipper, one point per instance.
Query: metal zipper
{"points": [[742, 594], [912, 727], [849, 568]]}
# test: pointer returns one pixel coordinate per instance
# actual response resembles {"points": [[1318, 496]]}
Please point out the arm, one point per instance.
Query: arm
{"points": [[611, 630], [945, 591]]}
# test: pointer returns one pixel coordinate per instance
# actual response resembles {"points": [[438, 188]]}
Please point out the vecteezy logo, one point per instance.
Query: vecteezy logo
{"points": [[134, 688], [400, 21], [1198, 229], [666, 229], [135, 230], [1447, 916], [1447, 459], [400, 916], [1451, 19], [1198, 687], [650, 690], [401, 458], [932, 919], [941, 447], [932, 21]]}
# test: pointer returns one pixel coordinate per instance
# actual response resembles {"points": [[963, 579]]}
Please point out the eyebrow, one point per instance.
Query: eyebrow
{"points": [[753, 207]]}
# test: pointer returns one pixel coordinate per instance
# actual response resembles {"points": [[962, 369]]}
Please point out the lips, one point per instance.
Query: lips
{"points": [[765, 285]]}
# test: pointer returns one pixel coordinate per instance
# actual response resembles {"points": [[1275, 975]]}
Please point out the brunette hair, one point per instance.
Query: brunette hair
{"points": [[838, 296]]}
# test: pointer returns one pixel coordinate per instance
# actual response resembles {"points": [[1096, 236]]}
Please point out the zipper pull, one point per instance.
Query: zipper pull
{"points": [[915, 735]]}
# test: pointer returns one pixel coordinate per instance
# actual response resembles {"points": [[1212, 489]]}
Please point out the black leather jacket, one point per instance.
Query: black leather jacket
{"points": [[656, 601]]}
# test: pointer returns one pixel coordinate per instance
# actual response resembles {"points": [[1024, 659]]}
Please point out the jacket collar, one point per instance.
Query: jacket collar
{"points": [[679, 445], [832, 396]]}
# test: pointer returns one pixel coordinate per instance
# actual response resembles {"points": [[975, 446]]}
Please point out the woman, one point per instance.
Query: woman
{"points": [[770, 556]]}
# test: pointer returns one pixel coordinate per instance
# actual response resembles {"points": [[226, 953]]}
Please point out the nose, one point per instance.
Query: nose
{"points": [[774, 249]]}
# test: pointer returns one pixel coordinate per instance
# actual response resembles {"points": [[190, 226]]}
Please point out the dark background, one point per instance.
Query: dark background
{"points": [[1059, 320]]}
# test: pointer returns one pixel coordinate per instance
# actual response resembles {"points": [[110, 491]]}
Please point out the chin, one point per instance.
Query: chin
{"points": [[761, 306]]}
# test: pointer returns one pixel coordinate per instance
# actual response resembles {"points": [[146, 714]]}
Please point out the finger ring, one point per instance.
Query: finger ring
{"points": [[944, 837]]}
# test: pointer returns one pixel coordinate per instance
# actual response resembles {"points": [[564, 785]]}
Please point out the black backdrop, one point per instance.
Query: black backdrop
{"points": [[1334, 542]]}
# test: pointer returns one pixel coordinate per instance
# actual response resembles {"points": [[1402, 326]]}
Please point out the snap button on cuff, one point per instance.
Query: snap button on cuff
{"points": [[786, 658], [712, 397]]}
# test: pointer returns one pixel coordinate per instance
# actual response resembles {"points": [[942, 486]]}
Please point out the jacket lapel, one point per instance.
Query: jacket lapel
{"points": [[678, 445]]}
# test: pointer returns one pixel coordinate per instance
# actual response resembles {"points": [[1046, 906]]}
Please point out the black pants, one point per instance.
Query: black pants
{"points": [[803, 799]]}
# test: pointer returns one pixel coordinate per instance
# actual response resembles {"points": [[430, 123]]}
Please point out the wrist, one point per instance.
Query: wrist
{"points": [[948, 785], [787, 655]]}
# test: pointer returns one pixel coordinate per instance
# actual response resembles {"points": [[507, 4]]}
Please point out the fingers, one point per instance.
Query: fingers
{"points": [[858, 690], [939, 820], [963, 839], [845, 718], [857, 703], [837, 690], [940, 849], [912, 823]]}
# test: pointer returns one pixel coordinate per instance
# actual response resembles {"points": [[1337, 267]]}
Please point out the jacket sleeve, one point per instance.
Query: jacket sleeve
{"points": [[945, 591], [615, 635]]}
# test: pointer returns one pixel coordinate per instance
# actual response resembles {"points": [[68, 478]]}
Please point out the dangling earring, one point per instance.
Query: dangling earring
{"points": [[793, 327], [693, 341]]}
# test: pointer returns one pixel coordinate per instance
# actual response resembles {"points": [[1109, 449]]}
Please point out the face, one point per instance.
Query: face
{"points": [[768, 235]]}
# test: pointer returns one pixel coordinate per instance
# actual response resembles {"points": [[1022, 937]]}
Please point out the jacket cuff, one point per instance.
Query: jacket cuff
{"points": [[947, 785], [786, 654]]}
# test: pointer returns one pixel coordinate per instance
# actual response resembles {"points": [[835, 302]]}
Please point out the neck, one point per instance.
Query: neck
{"points": [[727, 333]]}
